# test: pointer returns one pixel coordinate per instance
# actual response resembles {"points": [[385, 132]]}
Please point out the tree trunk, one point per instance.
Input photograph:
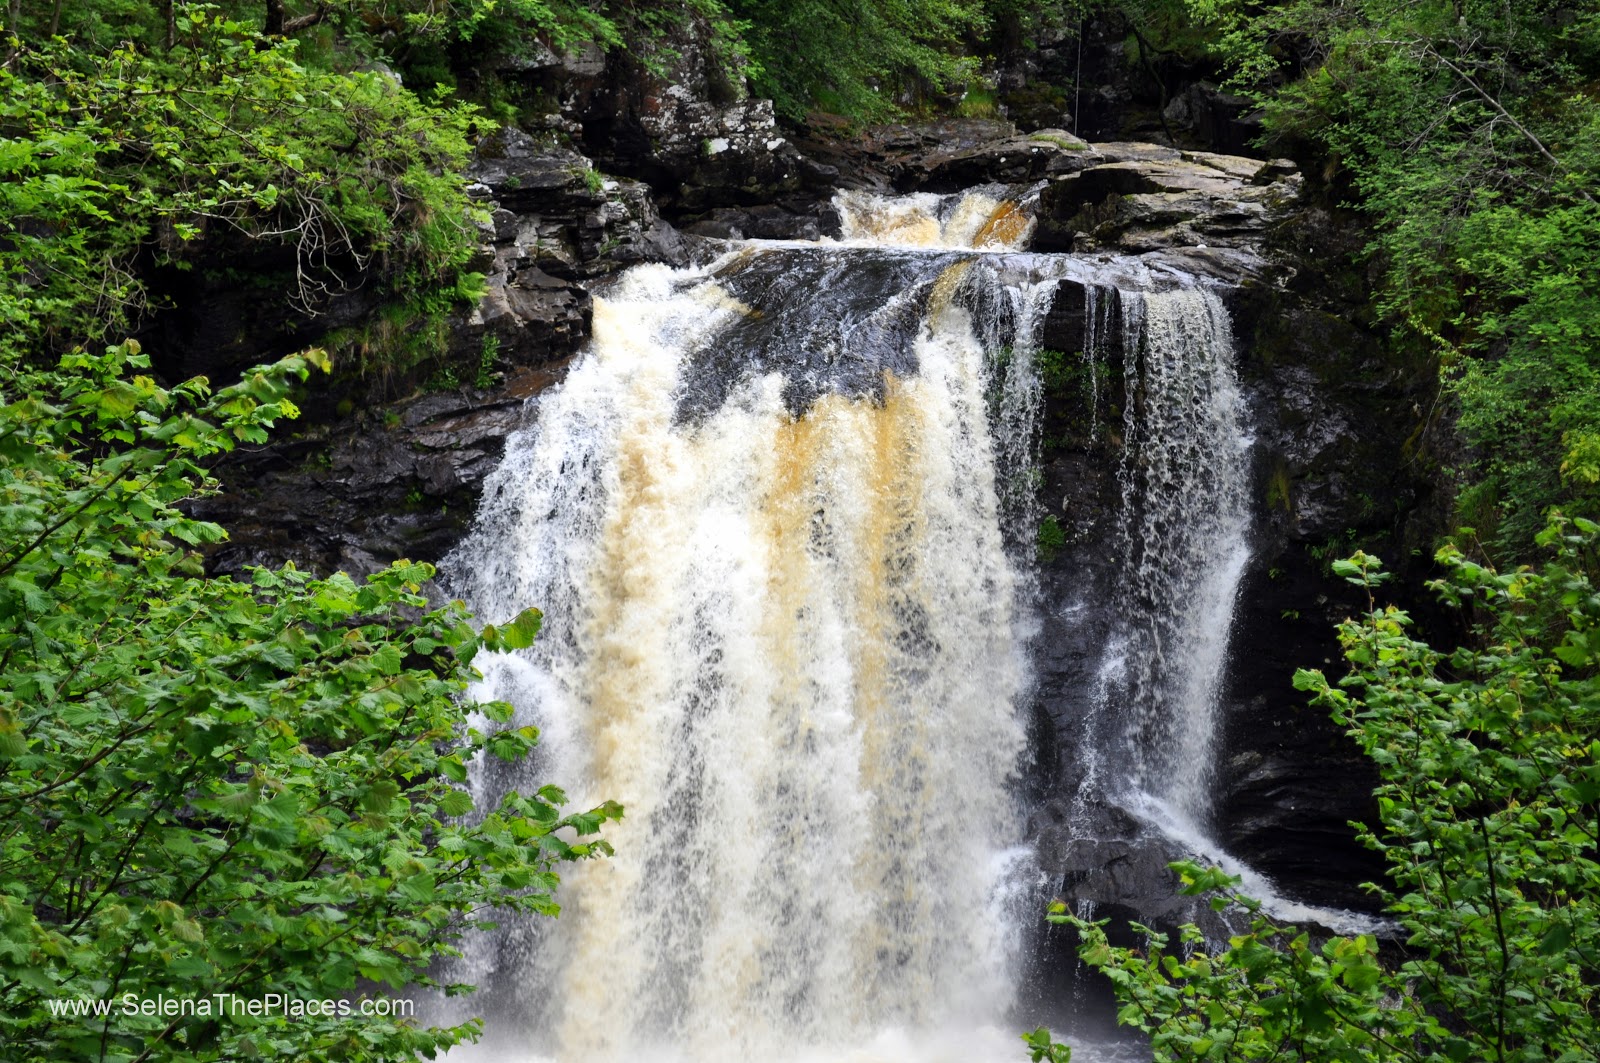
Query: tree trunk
{"points": [[279, 24], [13, 29]]}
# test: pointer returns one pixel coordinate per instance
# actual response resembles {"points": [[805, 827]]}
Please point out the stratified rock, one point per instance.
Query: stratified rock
{"points": [[1018, 159], [765, 222], [1141, 197], [400, 481], [556, 222]]}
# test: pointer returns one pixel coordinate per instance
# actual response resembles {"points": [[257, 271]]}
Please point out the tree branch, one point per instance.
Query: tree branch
{"points": [[1427, 50]]}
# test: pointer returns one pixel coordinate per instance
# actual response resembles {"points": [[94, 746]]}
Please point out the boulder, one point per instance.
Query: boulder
{"points": [[1138, 198]]}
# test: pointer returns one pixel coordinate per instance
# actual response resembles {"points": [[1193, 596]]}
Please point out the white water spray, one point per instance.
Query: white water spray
{"points": [[790, 642], [1185, 534]]}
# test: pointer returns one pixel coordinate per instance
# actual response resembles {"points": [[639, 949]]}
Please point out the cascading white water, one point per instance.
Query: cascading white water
{"points": [[783, 628], [1182, 545], [780, 517], [1185, 534]]}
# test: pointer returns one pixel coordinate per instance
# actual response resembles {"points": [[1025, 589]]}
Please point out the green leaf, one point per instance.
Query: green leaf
{"points": [[380, 795], [520, 633]]}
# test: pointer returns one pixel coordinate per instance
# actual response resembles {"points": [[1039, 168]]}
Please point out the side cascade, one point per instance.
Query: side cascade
{"points": [[1181, 545], [1184, 538]]}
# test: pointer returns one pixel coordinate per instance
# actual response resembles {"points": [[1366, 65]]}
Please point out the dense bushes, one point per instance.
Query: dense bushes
{"points": [[119, 160], [1490, 824], [219, 788], [217, 796]]}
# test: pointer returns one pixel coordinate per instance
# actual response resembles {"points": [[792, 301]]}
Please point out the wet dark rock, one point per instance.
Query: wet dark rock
{"points": [[828, 324], [1221, 120], [1339, 463], [903, 155], [1091, 78], [1114, 866], [400, 481], [770, 221]]}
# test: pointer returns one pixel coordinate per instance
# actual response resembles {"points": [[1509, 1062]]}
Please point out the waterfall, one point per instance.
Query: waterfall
{"points": [[1181, 545], [775, 536], [1183, 535], [781, 519]]}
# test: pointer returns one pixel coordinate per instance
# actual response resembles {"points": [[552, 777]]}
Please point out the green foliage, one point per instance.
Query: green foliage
{"points": [[1051, 539], [861, 58], [1064, 375], [1041, 1049], [119, 158], [219, 787], [978, 100], [488, 358], [1280, 490], [1469, 132], [435, 42], [1490, 816]]}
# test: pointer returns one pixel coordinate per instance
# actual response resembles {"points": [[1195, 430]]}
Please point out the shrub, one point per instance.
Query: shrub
{"points": [[213, 789], [1490, 820]]}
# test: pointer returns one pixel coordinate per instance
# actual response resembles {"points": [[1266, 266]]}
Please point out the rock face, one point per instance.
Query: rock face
{"points": [[401, 480], [556, 223], [1211, 211], [697, 138], [1340, 466], [943, 156], [1099, 79]]}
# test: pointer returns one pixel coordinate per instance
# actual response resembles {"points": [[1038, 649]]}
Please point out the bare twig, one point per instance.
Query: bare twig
{"points": [[1488, 97]]}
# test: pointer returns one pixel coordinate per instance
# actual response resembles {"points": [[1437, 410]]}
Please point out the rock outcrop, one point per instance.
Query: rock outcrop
{"points": [[556, 223], [355, 491], [1210, 212], [391, 483], [686, 128]]}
